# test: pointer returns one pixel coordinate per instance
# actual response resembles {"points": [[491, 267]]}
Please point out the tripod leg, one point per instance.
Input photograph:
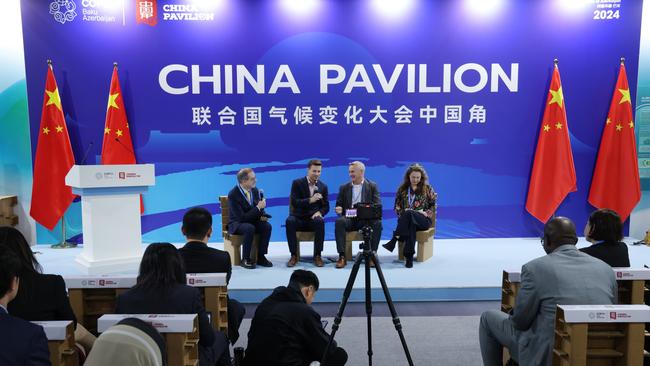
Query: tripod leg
{"points": [[391, 307], [344, 302], [368, 307]]}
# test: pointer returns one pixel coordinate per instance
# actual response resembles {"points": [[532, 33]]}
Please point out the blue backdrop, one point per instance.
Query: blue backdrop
{"points": [[479, 163]]}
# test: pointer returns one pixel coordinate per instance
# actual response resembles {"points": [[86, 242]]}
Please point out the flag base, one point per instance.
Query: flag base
{"points": [[64, 245]]}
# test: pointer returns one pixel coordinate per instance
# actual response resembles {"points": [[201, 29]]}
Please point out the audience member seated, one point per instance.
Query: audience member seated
{"points": [[131, 342], [286, 331], [604, 230], [565, 276], [415, 201], [42, 297], [161, 289], [21, 342], [199, 258], [247, 218]]}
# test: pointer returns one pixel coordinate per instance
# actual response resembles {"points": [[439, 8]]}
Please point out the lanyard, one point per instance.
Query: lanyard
{"points": [[250, 194], [411, 198]]}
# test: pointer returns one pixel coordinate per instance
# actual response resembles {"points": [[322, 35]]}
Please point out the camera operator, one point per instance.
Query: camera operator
{"points": [[287, 331], [357, 190]]}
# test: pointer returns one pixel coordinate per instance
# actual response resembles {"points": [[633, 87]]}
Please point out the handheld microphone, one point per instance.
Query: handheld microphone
{"points": [[261, 194], [83, 160]]}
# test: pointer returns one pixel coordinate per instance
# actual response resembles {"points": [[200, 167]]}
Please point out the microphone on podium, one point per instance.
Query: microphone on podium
{"points": [[83, 160]]}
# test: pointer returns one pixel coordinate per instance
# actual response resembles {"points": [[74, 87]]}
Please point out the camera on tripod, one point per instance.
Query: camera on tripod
{"points": [[366, 213]]}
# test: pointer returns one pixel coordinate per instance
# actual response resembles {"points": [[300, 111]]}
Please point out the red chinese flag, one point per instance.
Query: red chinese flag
{"points": [[54, 159], [553, 175], [117, 147], [615, 184]]}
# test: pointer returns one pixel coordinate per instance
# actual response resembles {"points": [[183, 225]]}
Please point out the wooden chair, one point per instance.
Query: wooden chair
{"points": [[424, 240], [60, 341], [181, 333], [301, 235], [7, 215], [599, 335], [233, 243]]}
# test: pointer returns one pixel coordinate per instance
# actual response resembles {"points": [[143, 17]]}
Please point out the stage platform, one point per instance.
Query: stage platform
{"points": [[460, 270]]}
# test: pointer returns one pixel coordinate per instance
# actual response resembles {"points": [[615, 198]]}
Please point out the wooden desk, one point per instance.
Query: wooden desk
{"points": [[7, 215], [94, 296], [599, 335], [510, 283], [181, 333], [60, 341]]}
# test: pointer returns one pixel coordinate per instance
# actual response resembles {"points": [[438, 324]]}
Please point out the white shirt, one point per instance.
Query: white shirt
{"points": [[312, 187], [356, 193], [5, 309]]}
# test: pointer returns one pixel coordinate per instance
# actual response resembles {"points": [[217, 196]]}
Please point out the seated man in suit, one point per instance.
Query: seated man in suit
{"points": [[247, 217], [357, 190], [565, 276], [199, 258], [287, 331], [309, 206], [21, 342]]}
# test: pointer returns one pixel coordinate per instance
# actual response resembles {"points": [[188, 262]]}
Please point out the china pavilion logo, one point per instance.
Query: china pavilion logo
{"points": [[146, 12], [63, 10]]}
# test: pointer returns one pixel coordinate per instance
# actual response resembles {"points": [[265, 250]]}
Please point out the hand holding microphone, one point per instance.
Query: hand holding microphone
{"points": [[316, 196], [261, 204]]}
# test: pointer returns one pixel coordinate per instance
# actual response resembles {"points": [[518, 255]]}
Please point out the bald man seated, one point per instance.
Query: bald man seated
{"points": [[565, 276]]}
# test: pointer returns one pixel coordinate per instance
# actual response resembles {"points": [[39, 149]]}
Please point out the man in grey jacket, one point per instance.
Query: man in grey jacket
{"points": [[565, 276]]}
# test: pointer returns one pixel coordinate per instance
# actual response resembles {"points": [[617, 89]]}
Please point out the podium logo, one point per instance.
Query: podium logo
{"points": [[146, 12], [612, 315], [63, 10], [619, 275], [122, 175], [102, 282], [190, 281]]}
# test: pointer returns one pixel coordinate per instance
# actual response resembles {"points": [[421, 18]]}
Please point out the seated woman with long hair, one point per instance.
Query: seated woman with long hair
{"points": [[161, 289], [604, 230], [415, 202], [41, 297]]}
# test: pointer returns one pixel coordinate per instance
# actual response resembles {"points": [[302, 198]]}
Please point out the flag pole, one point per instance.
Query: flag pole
{"points": [[63, 244]]}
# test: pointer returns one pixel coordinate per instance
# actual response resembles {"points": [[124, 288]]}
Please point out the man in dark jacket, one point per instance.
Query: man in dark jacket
{"points": [[21, 342], [309, 205], [247, 218], [200, 258], [287, 331]]}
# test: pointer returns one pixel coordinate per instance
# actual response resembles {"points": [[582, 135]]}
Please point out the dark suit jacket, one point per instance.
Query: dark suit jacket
{"points": [[41, 297], [369, 193], [300, 199], [179, 299], [241, 210], [199, 258], [614, 254], [21, 342]]}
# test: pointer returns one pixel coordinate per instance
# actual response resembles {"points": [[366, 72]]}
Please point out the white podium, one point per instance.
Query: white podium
{"points": [[110, 214]]}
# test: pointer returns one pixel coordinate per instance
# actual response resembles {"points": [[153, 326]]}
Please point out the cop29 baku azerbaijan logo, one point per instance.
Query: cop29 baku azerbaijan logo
{"points": [[63, 10]]}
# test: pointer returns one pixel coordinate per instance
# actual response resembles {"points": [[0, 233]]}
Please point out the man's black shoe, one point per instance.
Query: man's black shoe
{"points": [[409, 262], [390, 245], [247, 263], [262, 261]]}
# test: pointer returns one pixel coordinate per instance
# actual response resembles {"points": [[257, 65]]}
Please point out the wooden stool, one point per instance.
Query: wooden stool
{"points": [[599, 335], [233, 243], [214, 291], [60, 341], [181, 332]]}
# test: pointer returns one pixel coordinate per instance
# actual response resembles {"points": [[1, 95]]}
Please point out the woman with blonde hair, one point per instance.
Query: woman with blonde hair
{"points": [[415, 202]]}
